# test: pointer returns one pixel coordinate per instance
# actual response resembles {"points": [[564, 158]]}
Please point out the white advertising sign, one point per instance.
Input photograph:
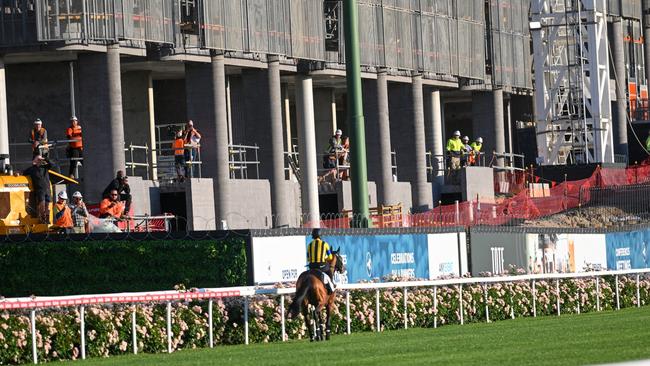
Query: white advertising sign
{"points": [[278, 259], [443, 255]]}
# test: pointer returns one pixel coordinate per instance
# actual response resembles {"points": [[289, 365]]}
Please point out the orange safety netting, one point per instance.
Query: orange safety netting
{"points": [[522, 206]]}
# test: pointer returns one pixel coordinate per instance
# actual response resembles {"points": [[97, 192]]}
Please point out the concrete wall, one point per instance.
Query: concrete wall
{"points": [[199, 200], [145, 196], [324, 120], [457, 116], [401, 134], [135, 105], [372, 129], [344, 194], [250, 204], [483, 121], [255, 120], [402, 190], [37, 90], [477, 181]]}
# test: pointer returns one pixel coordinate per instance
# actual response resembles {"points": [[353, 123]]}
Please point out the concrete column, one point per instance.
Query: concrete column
{"points": [[437, 143], [620, 75], [499, 128], [153, 157], [206, 106], [325, 118], [101, 118], [307, 148], [4, 121], [421, 199], [386, 194], [509, 122], [646, 37], [278, 187]]}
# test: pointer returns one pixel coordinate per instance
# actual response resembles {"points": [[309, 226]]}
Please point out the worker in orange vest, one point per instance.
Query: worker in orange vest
{"points": [[75, 147], [111, 207], [62, 212], [179, 155]]}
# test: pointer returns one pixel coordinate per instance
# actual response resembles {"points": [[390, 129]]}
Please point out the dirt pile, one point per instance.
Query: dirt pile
{"points": [[592, 217]]}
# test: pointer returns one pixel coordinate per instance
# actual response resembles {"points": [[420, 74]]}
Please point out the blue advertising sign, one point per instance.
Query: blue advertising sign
{"points": [[373, 257], [630, 250]]}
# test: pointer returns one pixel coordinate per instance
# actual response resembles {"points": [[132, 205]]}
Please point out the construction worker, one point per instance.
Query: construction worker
{"points": [[466, 151], [476, 146], [454, 149], [179, 155], [111, 207], [121, 185], [75, 147], [63, 213], [38, 139], [79, 214], [336, 142], [40, 177], [192, 138]]}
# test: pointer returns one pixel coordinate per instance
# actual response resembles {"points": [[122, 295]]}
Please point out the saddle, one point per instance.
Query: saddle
{"points": [[325, 279]]}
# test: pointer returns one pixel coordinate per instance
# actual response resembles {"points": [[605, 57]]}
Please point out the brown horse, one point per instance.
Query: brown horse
{"points": [[310, 290]]}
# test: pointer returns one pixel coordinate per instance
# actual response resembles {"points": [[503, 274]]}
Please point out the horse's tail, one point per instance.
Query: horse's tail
{"points": [[296, 305]]}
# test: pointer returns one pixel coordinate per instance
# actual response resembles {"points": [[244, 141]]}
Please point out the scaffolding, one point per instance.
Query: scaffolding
{"points": [[572, 97]]}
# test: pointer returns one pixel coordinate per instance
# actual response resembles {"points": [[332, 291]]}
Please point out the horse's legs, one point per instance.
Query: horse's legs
{"points": [[305, 314], [317, 323], [327, 322]]}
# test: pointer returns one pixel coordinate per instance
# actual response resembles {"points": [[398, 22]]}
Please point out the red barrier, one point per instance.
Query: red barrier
{"points": [[521, 206]]}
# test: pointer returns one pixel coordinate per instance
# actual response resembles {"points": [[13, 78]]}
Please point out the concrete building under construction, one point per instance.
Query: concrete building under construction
{"points": [[264, 82]]}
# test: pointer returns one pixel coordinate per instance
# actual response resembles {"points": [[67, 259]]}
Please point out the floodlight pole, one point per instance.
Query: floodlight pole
{"points": [[358, 164]]}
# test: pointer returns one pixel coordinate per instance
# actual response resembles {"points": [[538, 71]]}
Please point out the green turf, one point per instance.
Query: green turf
{"points": [[568, 340]]}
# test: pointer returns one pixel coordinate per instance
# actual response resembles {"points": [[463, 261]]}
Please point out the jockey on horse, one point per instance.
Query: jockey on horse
{"points": [[315, 287], [319, 256]]}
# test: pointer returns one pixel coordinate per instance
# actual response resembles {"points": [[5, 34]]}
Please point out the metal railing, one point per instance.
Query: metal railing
{"points": [[508, 161], [142, 152], [56, 153], [241, 161], [81, 301]]}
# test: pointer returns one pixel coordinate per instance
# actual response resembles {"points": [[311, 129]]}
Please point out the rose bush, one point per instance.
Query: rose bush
{"points": [[109, 327]]}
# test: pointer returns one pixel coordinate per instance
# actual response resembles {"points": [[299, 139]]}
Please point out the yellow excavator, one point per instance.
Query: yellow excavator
{"points": [[18, 211]]}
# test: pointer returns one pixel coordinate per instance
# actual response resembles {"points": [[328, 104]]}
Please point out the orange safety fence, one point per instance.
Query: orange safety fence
{"points": [[521, 206]]}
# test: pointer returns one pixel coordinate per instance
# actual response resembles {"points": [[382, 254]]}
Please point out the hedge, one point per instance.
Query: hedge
{"points": [[54, 268]]}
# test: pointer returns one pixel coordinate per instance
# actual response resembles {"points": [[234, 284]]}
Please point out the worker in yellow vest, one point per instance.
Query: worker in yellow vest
{"points": [[455, 149]]}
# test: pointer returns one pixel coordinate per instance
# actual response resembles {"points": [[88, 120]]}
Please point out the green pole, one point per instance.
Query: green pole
{"points": [[358, 165]]}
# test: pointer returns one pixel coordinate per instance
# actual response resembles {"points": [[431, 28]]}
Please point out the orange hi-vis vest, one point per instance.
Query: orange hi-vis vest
{"points": [[62, 215], [74, 133], [179, 146]]}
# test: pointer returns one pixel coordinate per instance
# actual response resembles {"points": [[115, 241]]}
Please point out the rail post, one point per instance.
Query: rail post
{"points": [[284, 326], [406, 321], [435, 307], [557, 293], [169, 327], [597, 293], [618, 301], [210, 331], [134, 336], [378, 310], [82, 320], [638, 293], [32, 320], [347, 310], [487, 308], [246, 320], [460, 303], [457, 213], [534, 289]]}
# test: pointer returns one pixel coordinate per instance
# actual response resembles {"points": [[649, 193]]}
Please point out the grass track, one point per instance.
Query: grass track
{"points": [[568, 340]]}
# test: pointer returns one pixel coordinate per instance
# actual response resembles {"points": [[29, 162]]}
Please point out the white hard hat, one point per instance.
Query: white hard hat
{"points": [[338, 132], [73, 118], [62, 195], [190, 123], [465, 138], [77, 194], [38, 121], [457, 133], [479, 140]]}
